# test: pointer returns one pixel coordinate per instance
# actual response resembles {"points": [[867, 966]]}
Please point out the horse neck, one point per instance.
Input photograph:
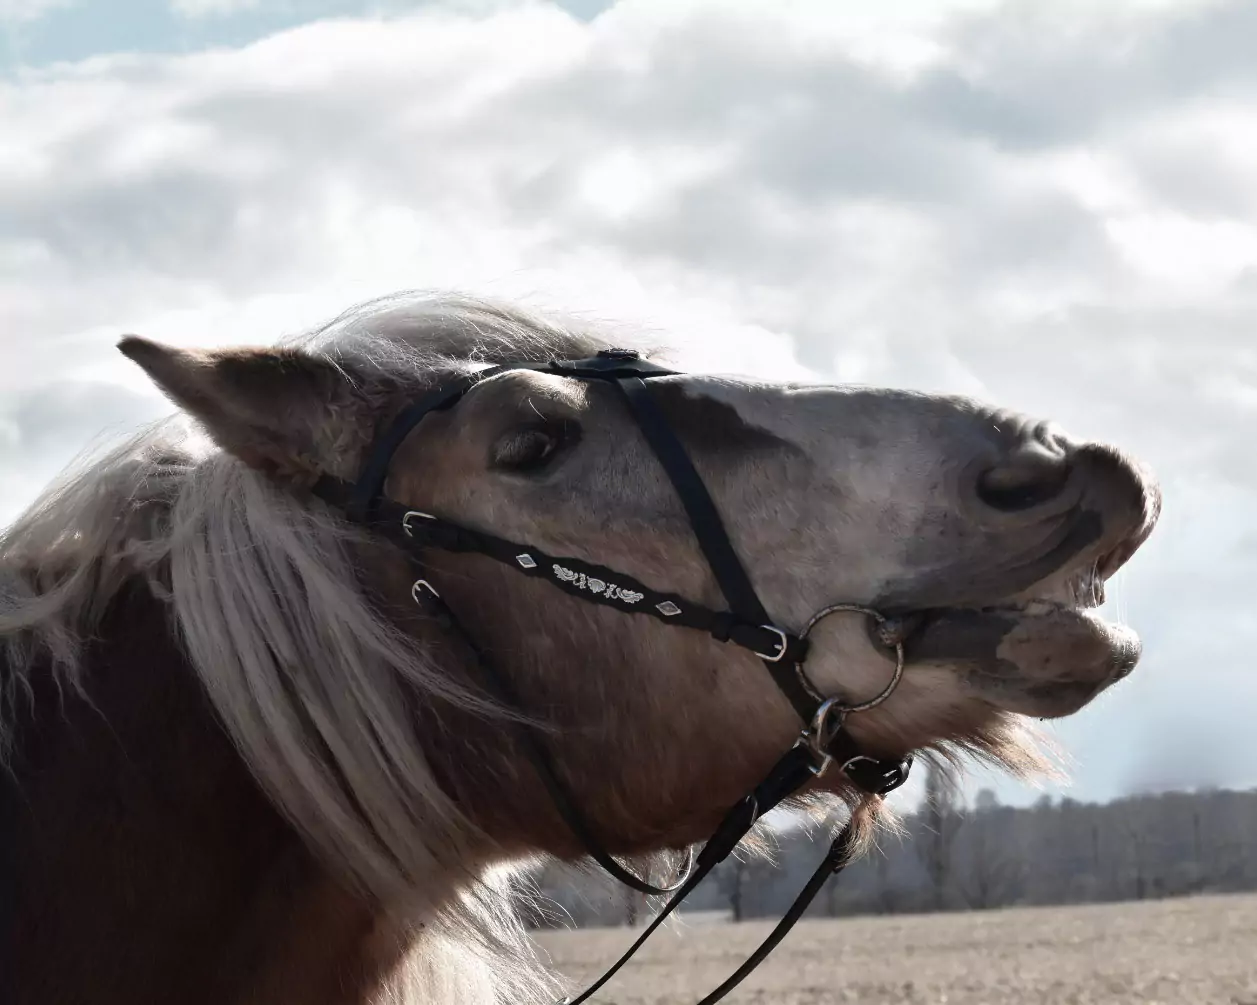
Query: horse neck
{"points": [[142, 864]]}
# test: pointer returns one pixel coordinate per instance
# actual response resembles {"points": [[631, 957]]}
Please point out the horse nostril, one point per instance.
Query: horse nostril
{"points": [[1028, 479]]}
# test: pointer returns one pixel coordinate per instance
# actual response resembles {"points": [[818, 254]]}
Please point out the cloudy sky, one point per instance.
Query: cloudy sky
{"points": [[1053, 206]]}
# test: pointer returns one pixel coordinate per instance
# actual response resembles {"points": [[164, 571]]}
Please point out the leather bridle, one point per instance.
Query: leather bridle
{"points": [[824, 741]]}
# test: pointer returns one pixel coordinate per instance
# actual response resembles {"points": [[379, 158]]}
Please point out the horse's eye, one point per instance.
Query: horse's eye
{"points": [[532, 448]]}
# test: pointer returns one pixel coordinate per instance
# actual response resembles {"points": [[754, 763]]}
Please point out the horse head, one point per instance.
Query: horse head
{"points": [[985, 534]]}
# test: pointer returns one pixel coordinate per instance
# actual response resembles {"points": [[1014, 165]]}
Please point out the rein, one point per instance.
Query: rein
{"points": [[824, 741]]}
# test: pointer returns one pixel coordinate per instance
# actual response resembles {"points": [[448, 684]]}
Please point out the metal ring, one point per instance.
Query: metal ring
{"points": [[877, 616]]}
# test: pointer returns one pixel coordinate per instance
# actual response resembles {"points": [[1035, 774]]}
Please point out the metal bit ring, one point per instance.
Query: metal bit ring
{"points": [[892, 640]]}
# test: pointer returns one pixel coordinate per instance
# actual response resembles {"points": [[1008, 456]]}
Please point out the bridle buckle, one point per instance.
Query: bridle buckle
{"points": [[783, 645], [414, 514], [883, 777], [422, 586], [820, 763]]}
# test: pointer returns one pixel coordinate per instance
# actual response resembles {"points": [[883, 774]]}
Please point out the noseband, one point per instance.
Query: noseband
{"points": [[824, 741]]}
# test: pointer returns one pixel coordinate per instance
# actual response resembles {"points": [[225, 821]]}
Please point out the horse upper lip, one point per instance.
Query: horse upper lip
{"points": [[1087, 579], [1115, 558]]}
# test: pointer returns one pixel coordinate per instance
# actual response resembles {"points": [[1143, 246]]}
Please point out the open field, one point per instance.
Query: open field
{"points": [[1196, 951]]}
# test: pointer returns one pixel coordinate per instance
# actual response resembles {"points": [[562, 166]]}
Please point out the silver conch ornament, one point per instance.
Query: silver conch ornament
{"points": [[598, 586]]}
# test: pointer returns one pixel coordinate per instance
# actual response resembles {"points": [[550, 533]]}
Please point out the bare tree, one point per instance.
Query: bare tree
{"points": [[1200, 873], [939, 824], [735, 881], [991, 871], [1054, 852], [887, 900], [1136, 851], [986, 800]]}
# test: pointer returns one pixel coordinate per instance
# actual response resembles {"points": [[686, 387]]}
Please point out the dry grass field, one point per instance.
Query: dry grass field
{"points": [[1178, 952]]}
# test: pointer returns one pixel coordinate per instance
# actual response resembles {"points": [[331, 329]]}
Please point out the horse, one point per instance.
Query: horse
{"points": [[243, 764]]}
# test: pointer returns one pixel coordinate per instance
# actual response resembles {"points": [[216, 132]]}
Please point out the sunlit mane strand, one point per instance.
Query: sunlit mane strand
{"points": [[305, 673]]}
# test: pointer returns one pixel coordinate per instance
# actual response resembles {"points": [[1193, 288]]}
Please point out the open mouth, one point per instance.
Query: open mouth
{"points": [[1080, 588], [1077, 590], [1045, 651], [1040, 646]]}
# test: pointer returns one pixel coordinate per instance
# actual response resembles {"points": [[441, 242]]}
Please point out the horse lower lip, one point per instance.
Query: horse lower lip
{"points": [[969, 634]]}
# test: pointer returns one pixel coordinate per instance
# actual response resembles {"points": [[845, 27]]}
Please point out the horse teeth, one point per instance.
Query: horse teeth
{"points": [[1081, 590]]}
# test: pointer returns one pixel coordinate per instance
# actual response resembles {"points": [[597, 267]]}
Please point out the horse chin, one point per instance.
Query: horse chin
{"points": [[1045, 653]]}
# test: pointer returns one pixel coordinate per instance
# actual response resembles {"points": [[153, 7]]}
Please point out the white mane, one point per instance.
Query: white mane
{"points": [[306, 676]]}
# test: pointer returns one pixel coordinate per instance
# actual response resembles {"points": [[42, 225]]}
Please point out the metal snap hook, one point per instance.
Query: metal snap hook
{"points": [[820, 733]]}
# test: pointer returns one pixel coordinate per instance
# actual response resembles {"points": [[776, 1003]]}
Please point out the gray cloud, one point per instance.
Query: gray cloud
{"points": [[1035, 214], [1036, 78], [46, 426]]}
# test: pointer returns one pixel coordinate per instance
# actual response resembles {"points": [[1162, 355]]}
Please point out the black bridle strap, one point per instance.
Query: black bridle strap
{"points": [[705, 520], [835, 860], [713, 539], [609, 365], [369, 487], [414, 531], [787, 776]]}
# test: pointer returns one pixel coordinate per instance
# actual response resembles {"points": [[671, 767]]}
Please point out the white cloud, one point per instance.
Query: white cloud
{"points": [[213, 8], [1001, 202], [15, 12]]}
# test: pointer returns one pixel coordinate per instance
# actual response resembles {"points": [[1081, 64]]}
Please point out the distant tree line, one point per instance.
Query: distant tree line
{"points": [[958, 857]]}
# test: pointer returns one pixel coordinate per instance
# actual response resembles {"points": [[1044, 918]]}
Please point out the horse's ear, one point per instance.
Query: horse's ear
{"points": [[269, 407]]}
